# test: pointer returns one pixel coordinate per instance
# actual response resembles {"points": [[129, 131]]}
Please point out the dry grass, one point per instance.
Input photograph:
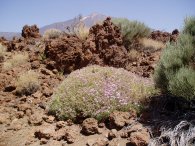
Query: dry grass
{"points": [[152, 45], [81, 32], [27, 83], [3, 50], [133, 55], [52, 33], [17, 59]]}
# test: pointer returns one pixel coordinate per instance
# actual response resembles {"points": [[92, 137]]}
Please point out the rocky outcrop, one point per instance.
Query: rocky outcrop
{"points": [[105, 43], [3, 41], [30, 31], [66, 54], [16, 44], [164, 36], [103, 47]]}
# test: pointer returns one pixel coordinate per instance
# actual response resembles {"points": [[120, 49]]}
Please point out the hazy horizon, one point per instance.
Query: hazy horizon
{"points": [[162, 15]]}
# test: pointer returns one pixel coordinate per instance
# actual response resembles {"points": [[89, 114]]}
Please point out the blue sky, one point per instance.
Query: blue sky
{"points": [[158, 14]]}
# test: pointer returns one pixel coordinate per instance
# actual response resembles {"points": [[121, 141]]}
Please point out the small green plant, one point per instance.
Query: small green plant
{"points": [[27, 83], [17, 59], [3, 50], [52, 33], [96, 91], [131, 31]]}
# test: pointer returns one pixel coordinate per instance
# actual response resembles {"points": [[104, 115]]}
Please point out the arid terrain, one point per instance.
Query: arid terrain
{"points": [[25, 118]]}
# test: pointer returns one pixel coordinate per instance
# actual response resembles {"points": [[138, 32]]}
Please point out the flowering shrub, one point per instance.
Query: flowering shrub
{"points": [[96, 91]]}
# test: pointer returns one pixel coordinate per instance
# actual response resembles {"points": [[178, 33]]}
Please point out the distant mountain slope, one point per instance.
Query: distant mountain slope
{"points": [[88, 21], [9, 35]]}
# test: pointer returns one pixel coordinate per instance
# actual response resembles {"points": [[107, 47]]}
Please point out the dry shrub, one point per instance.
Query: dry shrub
{"points": [[17, 59], [152, 45], [133, 55], [52, 33], [27, 83], [81, 31], [3, 50]]}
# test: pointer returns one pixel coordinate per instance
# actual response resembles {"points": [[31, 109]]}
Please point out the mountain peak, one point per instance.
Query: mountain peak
{"points": [[94, 14]]}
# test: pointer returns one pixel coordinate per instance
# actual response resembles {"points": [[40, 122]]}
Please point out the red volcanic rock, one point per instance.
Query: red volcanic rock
{"points": [[105, 43], [30, 31], [103, 47], [90, 126], [164, 36], [160, 36], [119, 119], [66, 54]]}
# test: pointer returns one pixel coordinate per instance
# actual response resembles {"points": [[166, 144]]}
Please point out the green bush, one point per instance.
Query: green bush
{"points": [[175, 72], [131, 30], [96, 91], [189, 26]]}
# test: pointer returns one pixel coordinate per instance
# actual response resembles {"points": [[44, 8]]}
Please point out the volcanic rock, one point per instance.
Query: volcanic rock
{"points": [[45, 131], [66, 53], [70, 135], [119, 119], [139, 138], [90, 126], [35, 119], [105, 43], [30, 31]]}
